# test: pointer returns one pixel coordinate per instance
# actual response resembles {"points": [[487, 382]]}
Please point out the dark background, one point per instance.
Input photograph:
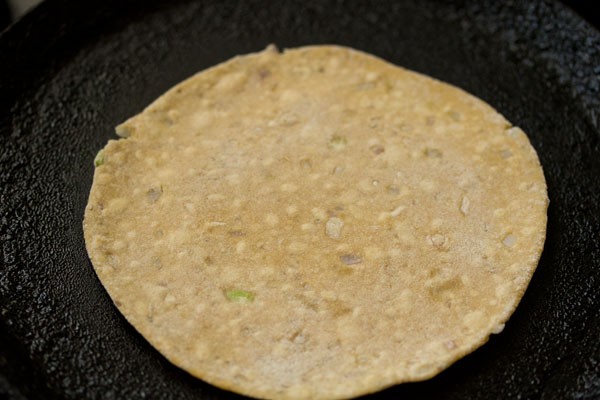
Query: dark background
{"points": [[585, 8], [5, 16], [588, 9]]}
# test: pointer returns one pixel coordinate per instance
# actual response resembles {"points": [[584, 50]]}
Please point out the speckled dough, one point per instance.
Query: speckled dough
{"points": [[316, 223]]}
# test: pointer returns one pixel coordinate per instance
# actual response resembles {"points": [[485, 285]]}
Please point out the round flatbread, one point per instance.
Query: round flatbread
{"points": [[316, 223]]}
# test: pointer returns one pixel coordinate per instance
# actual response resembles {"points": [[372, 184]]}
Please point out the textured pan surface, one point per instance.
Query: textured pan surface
{"points": [[68, 75]]}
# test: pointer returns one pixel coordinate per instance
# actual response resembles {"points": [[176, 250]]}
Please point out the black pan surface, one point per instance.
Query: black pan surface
{"points": [[70, 71]]}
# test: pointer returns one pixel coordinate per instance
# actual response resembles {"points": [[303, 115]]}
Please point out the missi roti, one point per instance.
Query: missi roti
{"points": [[316, 223]]}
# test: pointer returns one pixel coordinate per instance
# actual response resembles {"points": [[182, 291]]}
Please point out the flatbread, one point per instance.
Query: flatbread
{"points": [[316, 223]]}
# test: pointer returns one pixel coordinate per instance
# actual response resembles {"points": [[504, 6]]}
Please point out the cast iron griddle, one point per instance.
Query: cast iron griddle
{"points": [[70, 71]]}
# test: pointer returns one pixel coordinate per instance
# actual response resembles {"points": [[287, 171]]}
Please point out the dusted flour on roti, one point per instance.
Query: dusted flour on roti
{"points": [[316, 223]]}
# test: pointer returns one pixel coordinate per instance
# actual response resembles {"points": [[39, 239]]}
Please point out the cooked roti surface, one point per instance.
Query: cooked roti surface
{"points": [[316, 223]]}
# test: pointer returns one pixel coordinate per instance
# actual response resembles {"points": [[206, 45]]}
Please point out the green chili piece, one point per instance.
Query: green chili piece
{"points": [[239, 295], [99, 160]]}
